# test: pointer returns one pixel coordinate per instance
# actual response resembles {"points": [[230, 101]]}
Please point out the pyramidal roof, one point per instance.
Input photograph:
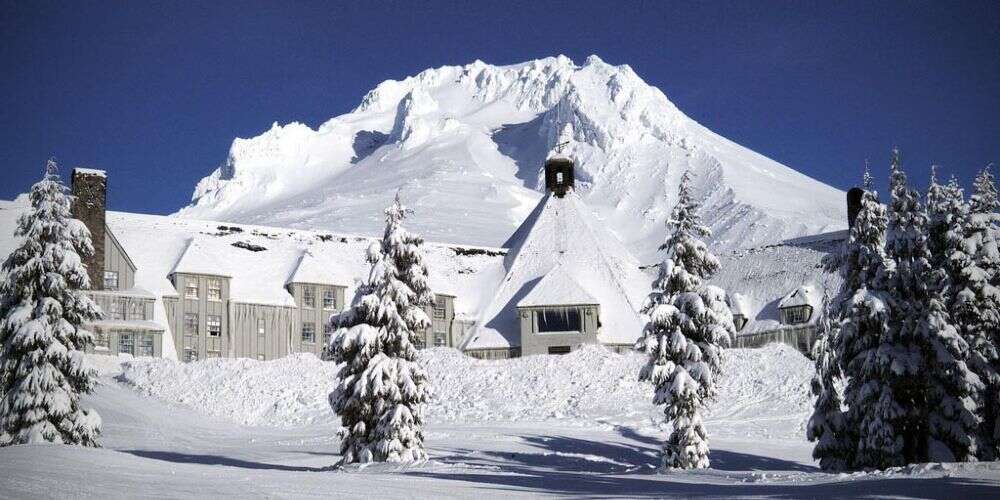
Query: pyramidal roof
{"points": [[557, 288], [562, 255], [197, 260]]}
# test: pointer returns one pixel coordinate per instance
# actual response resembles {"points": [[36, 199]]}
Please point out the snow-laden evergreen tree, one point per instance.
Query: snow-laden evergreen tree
{"points": [[826, 425], [859, 322], [689, 325], [947, 213], [381, 387], [43, 308], [976, 306], [922, 357]]}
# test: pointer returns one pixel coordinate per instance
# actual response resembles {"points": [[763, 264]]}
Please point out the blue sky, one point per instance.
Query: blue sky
{"points": [[155, 92]]}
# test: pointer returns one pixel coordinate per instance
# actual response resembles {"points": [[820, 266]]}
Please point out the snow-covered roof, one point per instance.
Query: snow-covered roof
{"points": [[557, 288], [90, 171], [801, 296], [562, 233], [311, 270], [197, 260]]}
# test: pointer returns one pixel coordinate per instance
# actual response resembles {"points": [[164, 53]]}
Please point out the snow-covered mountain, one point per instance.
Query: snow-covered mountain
{"points": [[465, 146]]}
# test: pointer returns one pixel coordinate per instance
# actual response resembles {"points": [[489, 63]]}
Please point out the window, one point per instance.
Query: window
{"points": [[440, 340], [739, 321], [191, 324], [309, 332], [797, 314], [329, 300], [309, 296], [559, 349], [261, 327], [190, 354], [214, 289], [559, 177], [110, 280], [136, 310], [440, 308], [126, 343], [116, 311], [559, 320], [327, 333], [191, 289], [213, 354], [101, 341], [146, 345], [214, 325]]}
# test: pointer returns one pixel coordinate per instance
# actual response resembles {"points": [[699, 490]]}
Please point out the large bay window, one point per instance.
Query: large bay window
{"points": [[559, 320]]}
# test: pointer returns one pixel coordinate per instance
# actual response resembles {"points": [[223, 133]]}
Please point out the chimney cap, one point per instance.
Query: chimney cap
{"points": [[89, 171]]}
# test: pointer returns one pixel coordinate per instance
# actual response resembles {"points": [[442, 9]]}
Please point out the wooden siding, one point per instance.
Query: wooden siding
{"points": [[314, 314], [278, 330], [116, 260], [199, 342]]}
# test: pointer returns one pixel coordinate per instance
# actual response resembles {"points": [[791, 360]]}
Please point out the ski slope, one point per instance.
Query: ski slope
{"points": [[465, 145], [544, 426]]}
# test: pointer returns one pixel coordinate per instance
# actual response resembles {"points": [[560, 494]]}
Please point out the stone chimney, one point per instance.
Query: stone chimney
{"points": [[90, 192], [853, 205]]}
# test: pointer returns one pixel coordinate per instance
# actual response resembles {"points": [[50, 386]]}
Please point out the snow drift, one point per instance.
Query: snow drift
{"points": [[465, 146], [766, 390]]}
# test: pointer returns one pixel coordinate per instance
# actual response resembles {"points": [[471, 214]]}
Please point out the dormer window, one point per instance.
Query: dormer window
{"points": [[559, 320], [739, 321], [796, 315]]}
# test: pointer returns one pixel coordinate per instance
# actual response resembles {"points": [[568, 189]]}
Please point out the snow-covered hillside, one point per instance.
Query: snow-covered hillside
{"points": [[765, 392], [465, 145], [576, 426]]}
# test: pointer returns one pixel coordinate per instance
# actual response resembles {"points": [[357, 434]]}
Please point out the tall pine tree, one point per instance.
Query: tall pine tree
{"points": [[689, 324], [861, 320], [976, 306], [922, 358], [43, 308], [381, 388], [826, 425]]}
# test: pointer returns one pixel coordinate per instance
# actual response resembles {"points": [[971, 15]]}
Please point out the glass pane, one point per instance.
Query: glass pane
{"points": [[559, 320]]}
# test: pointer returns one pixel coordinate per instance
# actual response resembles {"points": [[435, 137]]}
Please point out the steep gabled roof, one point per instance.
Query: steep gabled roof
{"points": [[197, 260], [557, 288], [562, 232]]}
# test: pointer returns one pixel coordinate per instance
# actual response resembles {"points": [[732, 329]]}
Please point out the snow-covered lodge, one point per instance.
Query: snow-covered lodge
{"points": [[193, 289]]}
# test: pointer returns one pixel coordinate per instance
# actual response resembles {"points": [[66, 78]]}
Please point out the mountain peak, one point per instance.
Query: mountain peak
{"points": [[467, 143]]}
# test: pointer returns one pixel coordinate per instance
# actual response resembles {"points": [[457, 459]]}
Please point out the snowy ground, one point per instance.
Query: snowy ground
{"points": [[577, 425]]}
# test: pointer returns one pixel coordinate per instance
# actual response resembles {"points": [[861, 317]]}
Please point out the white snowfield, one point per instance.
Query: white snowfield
{"points": [[465, 147], [578, 425]]}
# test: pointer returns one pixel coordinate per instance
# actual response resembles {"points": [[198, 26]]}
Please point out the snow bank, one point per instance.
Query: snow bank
{"points": [[765, 391]]}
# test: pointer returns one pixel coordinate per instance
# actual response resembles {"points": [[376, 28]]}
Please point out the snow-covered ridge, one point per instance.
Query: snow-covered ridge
{"points": [[465, 145]]}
